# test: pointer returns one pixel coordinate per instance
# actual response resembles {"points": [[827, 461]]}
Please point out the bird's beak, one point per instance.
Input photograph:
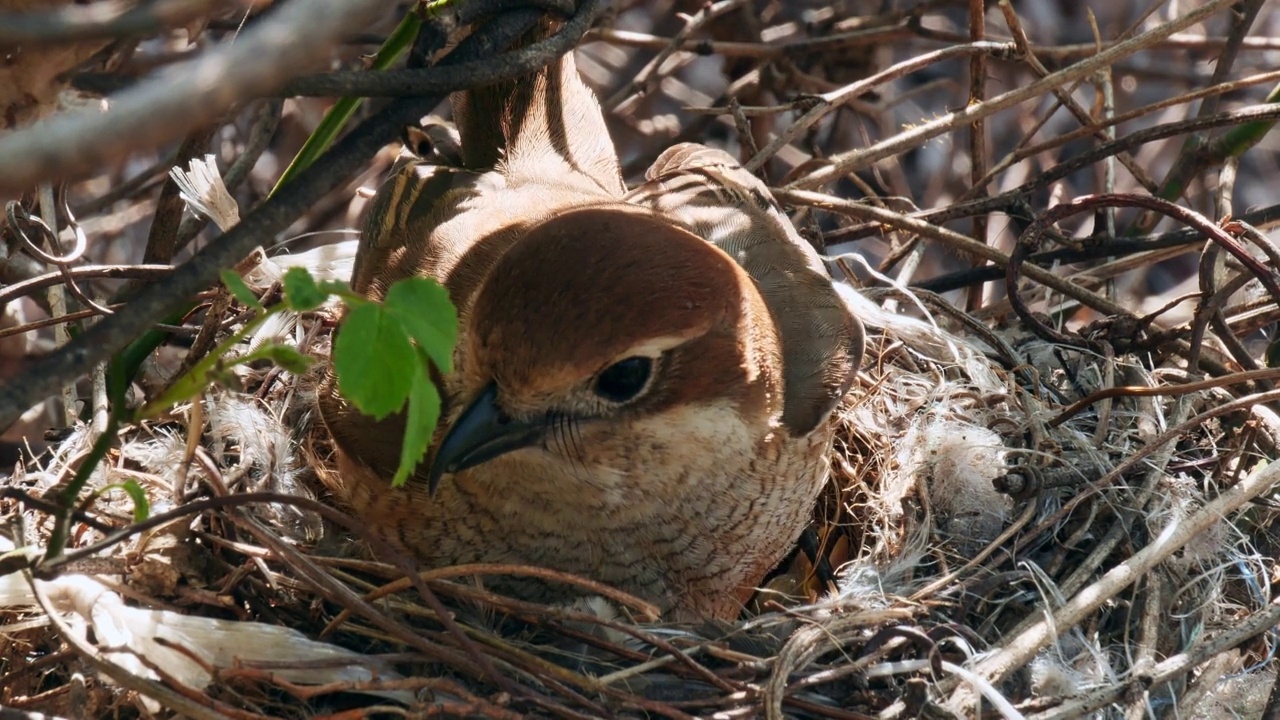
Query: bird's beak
{"points": [[482, 433]]}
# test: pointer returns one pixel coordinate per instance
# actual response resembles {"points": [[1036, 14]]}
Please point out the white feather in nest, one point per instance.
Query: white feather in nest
{"points": [[1067, 667], [268, 445], [185, 646], [161, 453], [249, 442], [202, 188], [326, 262], [929, 435]]}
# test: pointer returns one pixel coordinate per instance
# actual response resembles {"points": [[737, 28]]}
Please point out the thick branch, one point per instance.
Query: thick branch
{"points": [[166, 107]]}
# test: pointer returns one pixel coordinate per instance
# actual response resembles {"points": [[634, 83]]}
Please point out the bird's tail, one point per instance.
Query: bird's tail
{"points": [[529, 124]]}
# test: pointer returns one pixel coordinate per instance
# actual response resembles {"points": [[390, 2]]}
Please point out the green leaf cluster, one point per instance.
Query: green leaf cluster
{"points": [[382, 353], [382, 356]]}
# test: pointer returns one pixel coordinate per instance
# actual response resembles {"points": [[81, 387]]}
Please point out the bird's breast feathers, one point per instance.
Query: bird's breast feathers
{"points": [[702, 448]]}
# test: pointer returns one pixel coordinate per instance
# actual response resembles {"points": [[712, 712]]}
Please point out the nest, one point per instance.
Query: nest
{"points": [[1048, 505], [1059, 554]]}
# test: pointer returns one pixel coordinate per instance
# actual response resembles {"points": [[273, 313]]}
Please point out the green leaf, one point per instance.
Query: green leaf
{"points": [[240, 290], [301, 292], [283, 355], [183, 389], [209, 369], [423, 308], [141, 505], [334, 287], [374, 360], [420, 421]]}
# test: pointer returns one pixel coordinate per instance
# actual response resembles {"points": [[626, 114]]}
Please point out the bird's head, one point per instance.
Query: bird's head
{"points": [[603, 318]]}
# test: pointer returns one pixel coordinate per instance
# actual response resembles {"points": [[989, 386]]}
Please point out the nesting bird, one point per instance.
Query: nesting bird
{"points": [[644, 382]]}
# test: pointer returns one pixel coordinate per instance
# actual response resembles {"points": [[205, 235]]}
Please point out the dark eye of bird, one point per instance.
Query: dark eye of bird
{"points": [[624, 379]]}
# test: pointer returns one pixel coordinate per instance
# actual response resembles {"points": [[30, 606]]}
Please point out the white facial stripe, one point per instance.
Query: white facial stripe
{"points": [[654, 347]]}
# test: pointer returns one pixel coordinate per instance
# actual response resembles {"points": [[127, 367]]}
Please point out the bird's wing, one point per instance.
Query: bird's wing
{"points": [[398, 229], [707, 191]]}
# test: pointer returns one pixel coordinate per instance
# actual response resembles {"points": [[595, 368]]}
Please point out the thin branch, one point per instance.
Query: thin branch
{"points": [[847, 162], [117, 272]]}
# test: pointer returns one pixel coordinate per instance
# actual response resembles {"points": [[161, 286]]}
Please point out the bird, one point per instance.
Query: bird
{"points": [[645, 381]]}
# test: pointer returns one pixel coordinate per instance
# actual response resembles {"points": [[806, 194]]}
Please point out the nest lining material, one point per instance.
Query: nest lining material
{"points": [[1122, 566]]}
